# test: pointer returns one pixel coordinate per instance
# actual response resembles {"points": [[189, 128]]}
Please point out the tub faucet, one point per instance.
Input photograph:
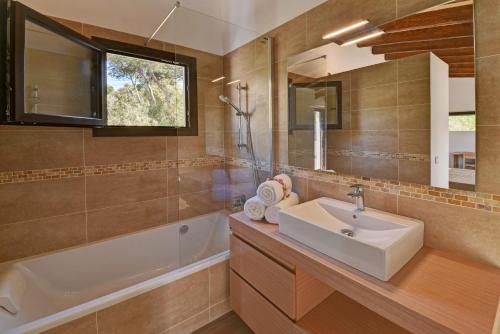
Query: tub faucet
{"points": [[359, 194]]}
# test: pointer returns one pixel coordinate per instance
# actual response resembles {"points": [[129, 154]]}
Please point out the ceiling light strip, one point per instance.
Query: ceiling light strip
{"points": [[233, 82], [218, 79], [363, 38], [346, 29]]}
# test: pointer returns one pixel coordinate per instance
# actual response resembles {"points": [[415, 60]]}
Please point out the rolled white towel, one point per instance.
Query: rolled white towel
{"points": [[272, 212], [254, 208], [270, 192], [286, 182], [12, 288]]}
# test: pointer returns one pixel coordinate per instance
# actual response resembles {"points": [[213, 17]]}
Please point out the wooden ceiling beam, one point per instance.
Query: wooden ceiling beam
{"points": [[436, 44], [454, 30], [458, 59], [461, 75], [457, 52], [431, 18]]}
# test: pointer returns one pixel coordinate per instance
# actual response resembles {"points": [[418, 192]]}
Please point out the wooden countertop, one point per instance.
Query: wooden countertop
{"points": [[435, 292]]}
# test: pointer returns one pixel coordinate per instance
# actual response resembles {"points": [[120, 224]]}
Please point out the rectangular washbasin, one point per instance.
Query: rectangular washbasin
{"points": [[372, 241]]}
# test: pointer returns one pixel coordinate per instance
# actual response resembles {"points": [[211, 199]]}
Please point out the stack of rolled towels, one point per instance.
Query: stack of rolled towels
{"points": [[272, 196]]}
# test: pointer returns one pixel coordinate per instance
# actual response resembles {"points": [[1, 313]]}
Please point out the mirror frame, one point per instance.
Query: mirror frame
{"points": [[292, 111]]}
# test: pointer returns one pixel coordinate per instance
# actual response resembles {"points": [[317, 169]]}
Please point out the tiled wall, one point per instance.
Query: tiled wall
{"points": [[61, 187], [385, 124], [179, 307], [467, 225]]}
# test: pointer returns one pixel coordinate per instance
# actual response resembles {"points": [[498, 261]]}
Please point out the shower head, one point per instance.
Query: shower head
{"points": [[225, 99]]}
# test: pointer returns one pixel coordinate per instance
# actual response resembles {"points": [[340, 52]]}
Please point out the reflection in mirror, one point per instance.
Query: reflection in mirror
{"points": [[395, 101], [58, 73]]}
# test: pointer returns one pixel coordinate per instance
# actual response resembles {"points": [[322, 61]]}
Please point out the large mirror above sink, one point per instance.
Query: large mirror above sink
{"points": [[394, 101]]}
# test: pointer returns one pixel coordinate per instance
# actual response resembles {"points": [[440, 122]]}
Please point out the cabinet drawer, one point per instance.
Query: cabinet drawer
{"points": [[260, 315], [267, 276]]}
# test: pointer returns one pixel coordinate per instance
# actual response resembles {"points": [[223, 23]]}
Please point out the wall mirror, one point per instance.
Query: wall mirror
{"points": [[394, 101]]}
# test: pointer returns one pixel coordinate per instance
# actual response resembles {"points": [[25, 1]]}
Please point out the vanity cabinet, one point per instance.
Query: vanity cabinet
{"points": [[278, 285]]}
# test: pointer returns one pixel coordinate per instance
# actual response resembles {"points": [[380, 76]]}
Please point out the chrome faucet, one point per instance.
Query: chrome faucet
{"points": [[359, 194]]}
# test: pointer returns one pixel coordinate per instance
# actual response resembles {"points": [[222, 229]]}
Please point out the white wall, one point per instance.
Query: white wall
{"points": [[462, 94], [440, 138], [462, 141]]}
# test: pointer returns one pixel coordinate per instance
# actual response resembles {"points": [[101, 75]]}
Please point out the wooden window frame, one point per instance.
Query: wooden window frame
{"points": [[19, 14]]}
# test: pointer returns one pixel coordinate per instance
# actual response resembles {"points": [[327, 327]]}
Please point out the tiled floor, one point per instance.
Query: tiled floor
{"points": [[227, 324]]}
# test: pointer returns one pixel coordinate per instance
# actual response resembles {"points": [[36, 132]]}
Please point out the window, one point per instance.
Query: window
{"points": [[462, 122], [149, 92], [54, 75]]}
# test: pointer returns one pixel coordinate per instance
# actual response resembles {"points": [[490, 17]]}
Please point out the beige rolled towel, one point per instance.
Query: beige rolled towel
{"points": [[254, 208], [272, 212], [270, 192], [286, 182]]}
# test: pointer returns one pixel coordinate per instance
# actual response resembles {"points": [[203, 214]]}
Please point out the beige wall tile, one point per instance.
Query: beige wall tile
{"points": [[374, 97], [190, 325], [115, 150], [218, 310], [208, 65], [415, 171], [190, 147], [488, 86], [200, 203], [415, 141], [487, 27], [219, 282], [196, 179], [159, 309], [414, 67], [173, 209], [113, 221], [339, 164], [116, 189], [29, 150], [39, 236], [172, 181], [85, 325], [462, 231], [375, 75], [337, 140], [381, 201], [316, 189], [488, 148], [417, 116], [377, 168], [378, 141], [172, 148], [32, 200], [414, 92], [375, 119]]}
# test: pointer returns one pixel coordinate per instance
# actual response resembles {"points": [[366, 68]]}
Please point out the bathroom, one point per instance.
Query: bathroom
{"points": [[134, 136]]}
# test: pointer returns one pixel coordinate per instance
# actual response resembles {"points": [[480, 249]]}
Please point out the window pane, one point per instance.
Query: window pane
{"points": [[58, 74], [462, 123], [145, 93]]}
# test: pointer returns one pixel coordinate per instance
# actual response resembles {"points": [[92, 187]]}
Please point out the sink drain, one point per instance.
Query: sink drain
{"points": [[349, 233]]}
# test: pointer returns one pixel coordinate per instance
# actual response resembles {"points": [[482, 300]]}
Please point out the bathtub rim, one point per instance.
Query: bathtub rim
{"points": [[103, 302]]}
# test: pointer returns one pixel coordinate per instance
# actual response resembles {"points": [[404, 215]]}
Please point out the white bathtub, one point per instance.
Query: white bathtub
{"points": [[69, 284]]}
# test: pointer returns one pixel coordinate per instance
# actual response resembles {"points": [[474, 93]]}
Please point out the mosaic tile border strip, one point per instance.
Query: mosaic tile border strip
{"points": [[468, 199], [373, 154], [69, 172]]}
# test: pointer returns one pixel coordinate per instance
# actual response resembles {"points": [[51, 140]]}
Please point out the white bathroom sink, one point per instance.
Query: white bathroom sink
{"points": [[372, 241]]}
